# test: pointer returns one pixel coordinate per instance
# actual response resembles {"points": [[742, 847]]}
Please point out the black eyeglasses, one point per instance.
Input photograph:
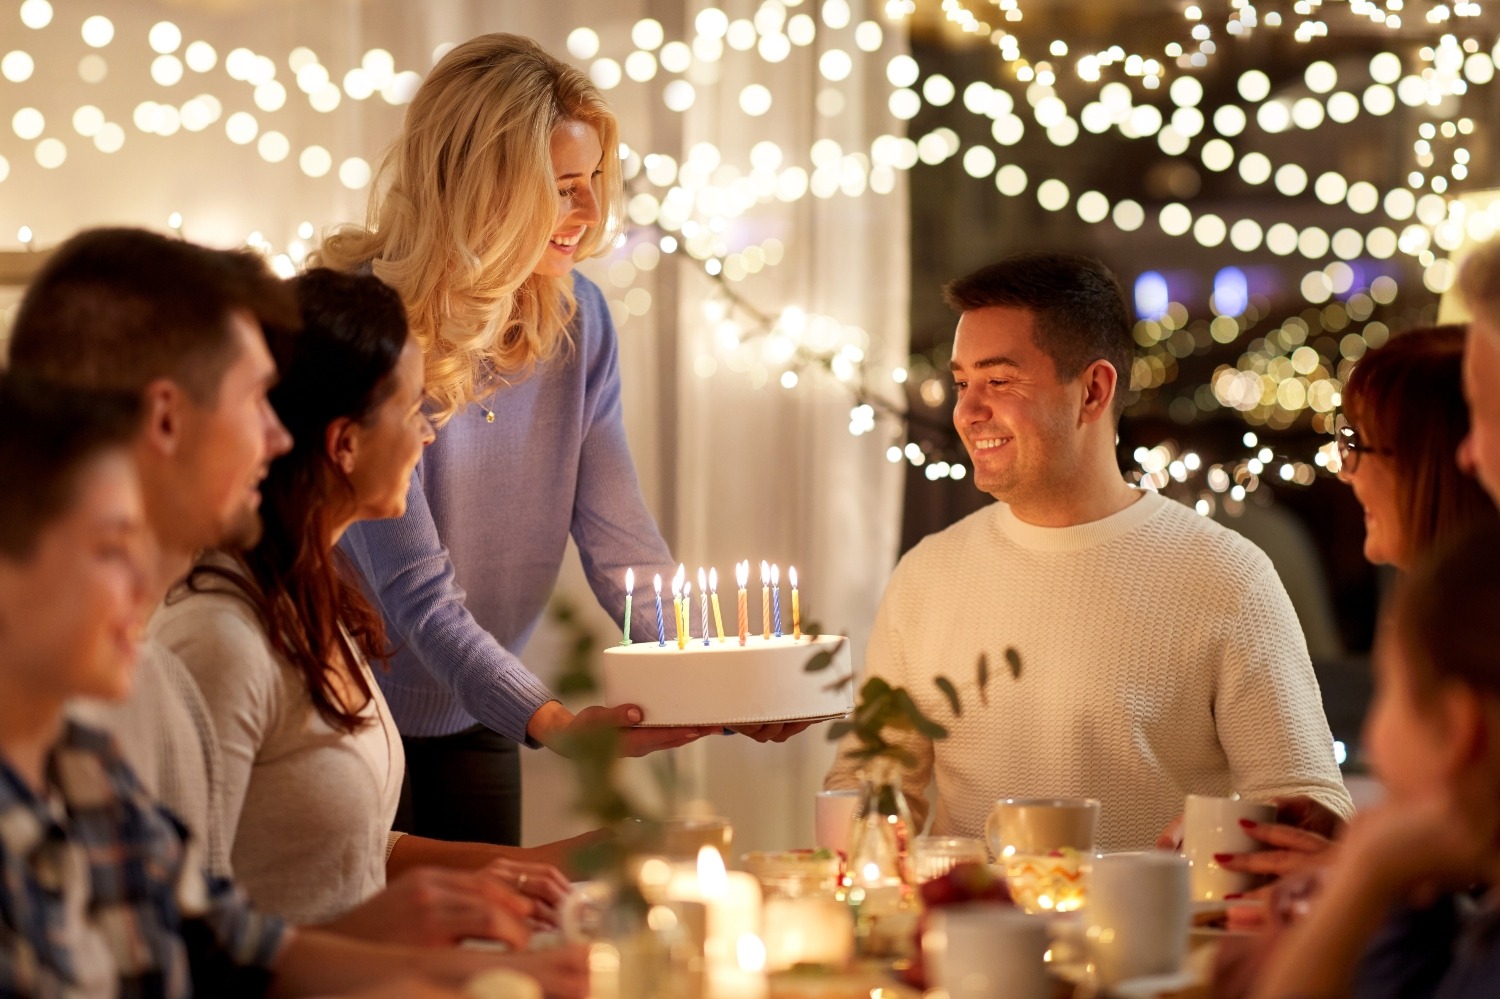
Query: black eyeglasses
{"points": [[1350, 447]]}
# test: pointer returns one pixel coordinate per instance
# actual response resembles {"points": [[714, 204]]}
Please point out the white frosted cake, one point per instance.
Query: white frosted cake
{"points": [[766, 680]]}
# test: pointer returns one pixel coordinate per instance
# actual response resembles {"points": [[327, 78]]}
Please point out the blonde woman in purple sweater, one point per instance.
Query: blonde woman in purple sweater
{"points": [[506, 173]]}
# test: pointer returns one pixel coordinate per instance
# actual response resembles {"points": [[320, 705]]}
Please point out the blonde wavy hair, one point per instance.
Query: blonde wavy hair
{"points": [[463, 208]]}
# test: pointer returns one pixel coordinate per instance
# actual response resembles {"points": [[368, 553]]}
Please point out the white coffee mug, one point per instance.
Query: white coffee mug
{"points": [[833, 817], [982, 951], [1210, 826], [1138, 915]]}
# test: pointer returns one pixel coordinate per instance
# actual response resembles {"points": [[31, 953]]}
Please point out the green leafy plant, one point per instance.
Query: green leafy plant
{"points": [[882, 709]]}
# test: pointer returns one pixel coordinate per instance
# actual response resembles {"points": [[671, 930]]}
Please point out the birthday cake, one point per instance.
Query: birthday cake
{"points": [[725, 683]]}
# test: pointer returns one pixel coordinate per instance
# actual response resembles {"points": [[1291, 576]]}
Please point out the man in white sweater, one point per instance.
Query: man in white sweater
{"points": [[1155, 652]]}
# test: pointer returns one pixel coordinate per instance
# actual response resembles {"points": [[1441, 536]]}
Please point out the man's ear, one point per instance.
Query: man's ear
{"points": [[165, 403], [1100, 384], [341, 444]]}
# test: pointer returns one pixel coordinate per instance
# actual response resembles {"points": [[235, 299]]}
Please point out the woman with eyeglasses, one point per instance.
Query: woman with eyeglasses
{"points": [[1403, 419]]}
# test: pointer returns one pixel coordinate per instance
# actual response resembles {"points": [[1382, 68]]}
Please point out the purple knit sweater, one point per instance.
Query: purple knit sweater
{"points": [[464, 576]]}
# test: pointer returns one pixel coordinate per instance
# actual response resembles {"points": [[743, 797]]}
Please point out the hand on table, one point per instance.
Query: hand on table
{"points": [[544, 885], [438, 907], [778, 732]]}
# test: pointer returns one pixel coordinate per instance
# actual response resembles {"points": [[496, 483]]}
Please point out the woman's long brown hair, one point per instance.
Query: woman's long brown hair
{"points": [[339, 365]]}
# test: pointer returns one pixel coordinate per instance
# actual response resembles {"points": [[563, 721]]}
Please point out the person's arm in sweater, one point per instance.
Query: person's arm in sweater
{"points": [[610, 523], [886, 658], [228, 657], [1267, 707], [407, 566]]}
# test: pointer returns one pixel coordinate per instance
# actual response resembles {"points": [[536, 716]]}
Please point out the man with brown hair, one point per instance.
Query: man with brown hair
{"points": [[1156, 653], [179, 324]]}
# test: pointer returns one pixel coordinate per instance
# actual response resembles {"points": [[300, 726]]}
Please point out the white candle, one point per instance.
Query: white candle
{"points": [[808, 931]]}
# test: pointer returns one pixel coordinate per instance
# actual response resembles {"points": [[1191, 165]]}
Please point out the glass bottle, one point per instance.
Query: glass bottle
{"points": [[877, 880]]}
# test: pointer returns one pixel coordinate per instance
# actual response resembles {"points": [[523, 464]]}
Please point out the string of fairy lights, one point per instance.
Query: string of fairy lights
{"points": [[687, 209]]}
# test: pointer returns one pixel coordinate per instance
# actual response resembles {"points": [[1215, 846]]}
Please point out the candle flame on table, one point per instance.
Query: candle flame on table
{"points": [[713, 880], [742, 572], [657, 583], [630, 580], [791, 575], [765, 573], [775, 575], [713, 580], [702, 580]]}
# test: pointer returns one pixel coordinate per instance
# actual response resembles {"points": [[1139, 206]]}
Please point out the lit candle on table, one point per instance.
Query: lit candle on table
{"points": [[629, 589], [742, 575], [765, 599], [661, 629], [713, 588], [776, 596], [791, 575], [703, 600]]}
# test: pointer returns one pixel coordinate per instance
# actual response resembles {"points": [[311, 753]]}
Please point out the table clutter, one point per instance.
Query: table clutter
{"points": [[1034, 913]]}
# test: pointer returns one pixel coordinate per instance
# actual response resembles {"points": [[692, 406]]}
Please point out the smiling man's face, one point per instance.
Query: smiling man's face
{"points": [[1019, 423]]}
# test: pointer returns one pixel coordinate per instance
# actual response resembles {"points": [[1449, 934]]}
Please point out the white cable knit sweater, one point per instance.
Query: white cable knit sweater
{"points": [[1159, 653]]}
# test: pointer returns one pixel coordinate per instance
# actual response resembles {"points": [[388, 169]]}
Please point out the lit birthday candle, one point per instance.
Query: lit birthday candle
{"points": [[703, 600], [742, 576], [661, 629], [776, 597], [791, 575], [677, 609], [687, 615], [765, 599], [629, 589], [713, 589]]}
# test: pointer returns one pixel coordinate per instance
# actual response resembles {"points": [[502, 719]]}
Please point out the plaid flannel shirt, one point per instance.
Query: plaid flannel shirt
{"points": [[101, 892]]}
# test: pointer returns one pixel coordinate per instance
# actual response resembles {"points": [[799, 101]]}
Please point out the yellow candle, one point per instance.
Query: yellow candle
{"points": [[713, 588], [685, 615], [791, 572], [765, 599], [742, 574]]}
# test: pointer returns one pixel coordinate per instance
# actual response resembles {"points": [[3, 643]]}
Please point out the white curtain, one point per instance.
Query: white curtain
{"points": [[734, 465]]}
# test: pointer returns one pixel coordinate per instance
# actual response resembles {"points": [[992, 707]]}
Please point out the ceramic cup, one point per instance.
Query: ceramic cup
{"points": [[833, 817], [1138, 915], [982, 951], [1210, 826]]}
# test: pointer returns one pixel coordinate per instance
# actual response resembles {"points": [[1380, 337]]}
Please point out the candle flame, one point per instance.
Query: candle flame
{"points": [[791, 575], [713, 580], [765, 573], [712, 879], [775, 575], [679, 577], [702, 580], [657, 583], [742, 573], [750, 950], [687, 590], [629, 580], [24, 234]]}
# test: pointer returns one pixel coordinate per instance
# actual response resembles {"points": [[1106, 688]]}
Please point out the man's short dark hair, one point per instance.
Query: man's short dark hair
{"points": [[48, 433], [1078, 307], [119, 308]]}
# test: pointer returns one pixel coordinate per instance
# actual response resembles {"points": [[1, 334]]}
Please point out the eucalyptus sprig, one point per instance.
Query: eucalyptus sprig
{"points": [[881, 709]]}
